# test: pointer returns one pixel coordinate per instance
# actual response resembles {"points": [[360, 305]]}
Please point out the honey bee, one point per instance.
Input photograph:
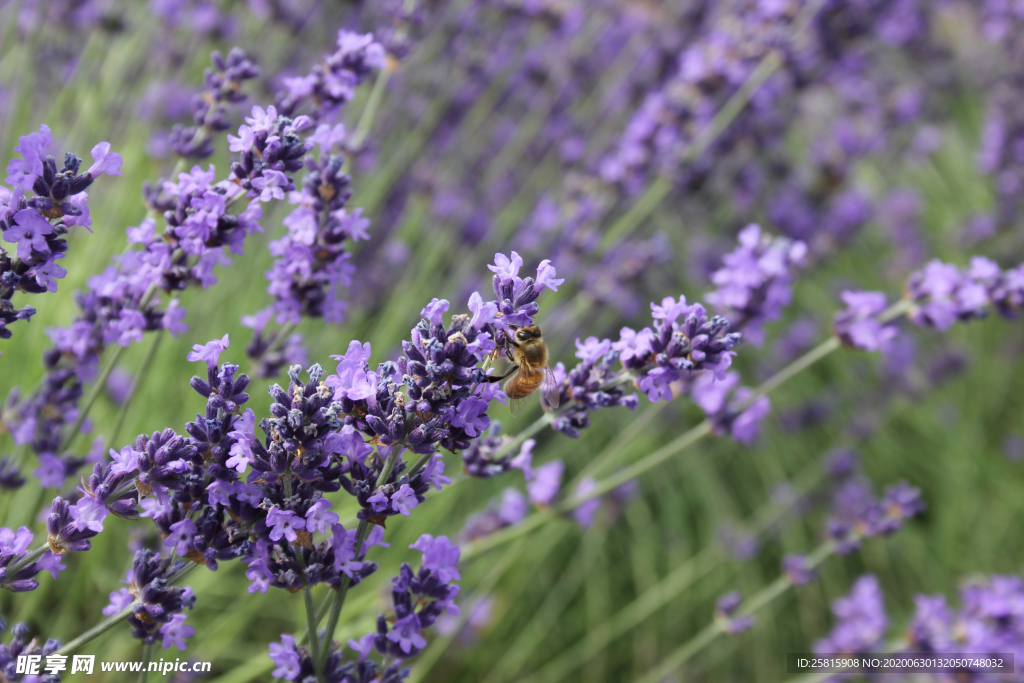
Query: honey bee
{"points": [[529, 356]]}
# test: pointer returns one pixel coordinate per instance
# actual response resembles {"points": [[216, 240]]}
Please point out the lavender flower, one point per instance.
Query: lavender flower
{"points": [[754, 284], [419, 599], [158, 605], [861, 619], [36, 225], [19, 646], [209, 108], [333, 81], [858, 326]]}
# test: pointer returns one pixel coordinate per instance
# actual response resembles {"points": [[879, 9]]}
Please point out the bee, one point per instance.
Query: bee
{"points": [[529, 356]]}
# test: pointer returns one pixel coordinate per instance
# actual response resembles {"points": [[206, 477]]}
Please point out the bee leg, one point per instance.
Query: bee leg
{"points": [[508, 354], [498, 378]]}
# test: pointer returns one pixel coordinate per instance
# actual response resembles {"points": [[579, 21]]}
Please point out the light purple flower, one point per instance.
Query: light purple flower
{"points": [[181, 538], [209, 352], [29, 233], [319, 516], [593, 349], [244, 433], [89, 514], [104, 161], [670, 309], [23, 172], [435, 310], [284, 523], [505, 268], [406, 634], [12, 543], [471, 416], [378, 501], [271, 185], [285, 658], [433, 472], [50, 562], [404, 500], [119, 599], [175, 632], [483, 313], [364, 646], [343, 543], [585, 511], [439, 556], [51, 471], [524, 459], [858, 325], [172, 319], [513, 507], [546, 277], [258, 574], [546, 482], [352, 381], [124, 462]]}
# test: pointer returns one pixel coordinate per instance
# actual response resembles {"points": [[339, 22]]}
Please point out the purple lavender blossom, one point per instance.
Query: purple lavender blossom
{"points": [[754, 284], [419, 599], [861, 620], [858, 325], [36, 225]]}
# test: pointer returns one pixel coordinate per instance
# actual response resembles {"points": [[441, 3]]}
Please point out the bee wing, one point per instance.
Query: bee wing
{"points": [[550, 394]]}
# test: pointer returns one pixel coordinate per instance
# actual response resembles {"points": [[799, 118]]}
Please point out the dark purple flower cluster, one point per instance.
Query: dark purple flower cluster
{"points": [[30, 650], [755, 281], [294, 662], [857, 514], [69, 527], [684, 340], [269, 149], [487, 457], [419, 599], [36, 224], [157, 604], [332, 82], [209, 108]]}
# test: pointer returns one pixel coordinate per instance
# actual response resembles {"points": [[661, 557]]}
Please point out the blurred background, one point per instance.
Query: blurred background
{"points": [[629, 142]]}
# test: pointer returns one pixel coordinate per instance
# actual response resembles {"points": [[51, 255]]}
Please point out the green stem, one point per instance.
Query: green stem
{"points": [[98, 630], [147, 654], [307, 599]]}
